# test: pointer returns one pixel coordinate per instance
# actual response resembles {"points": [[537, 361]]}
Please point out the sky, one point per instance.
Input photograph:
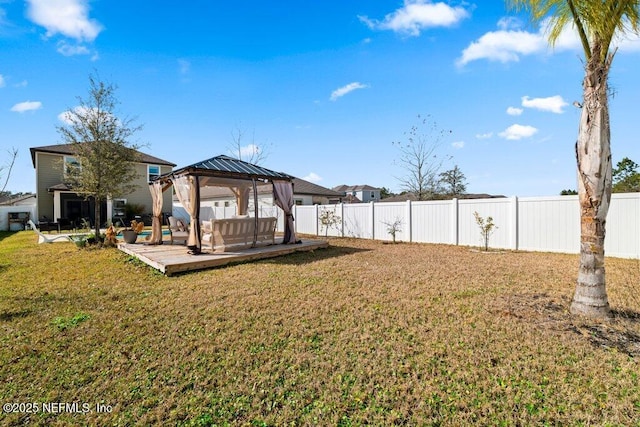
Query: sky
{"points": [[324, 87]]}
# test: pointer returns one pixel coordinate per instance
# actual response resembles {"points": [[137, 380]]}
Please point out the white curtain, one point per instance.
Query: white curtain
{"points": [[188, 192], [283, 198], [156, 224]]}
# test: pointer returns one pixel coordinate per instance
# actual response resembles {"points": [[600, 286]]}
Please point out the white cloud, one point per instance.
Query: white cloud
{"points": [[2, 82], [70, 50], [458, 144], [502, 46], [67, 116], [513, 111], [509, 43], [417, 15], [22, 107], [553, 104], [184, 65], [484, 135], [516, 132], [313, 177], [249, 151], [67, 17], [346, 89]]}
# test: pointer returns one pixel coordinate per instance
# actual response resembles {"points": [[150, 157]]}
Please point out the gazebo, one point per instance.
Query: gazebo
{"points": [[241, 177]]}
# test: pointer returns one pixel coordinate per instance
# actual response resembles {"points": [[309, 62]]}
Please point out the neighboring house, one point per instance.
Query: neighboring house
{"points": [[410, 196], [362, 193], [28, 199], [56, 199], [304, 193]]}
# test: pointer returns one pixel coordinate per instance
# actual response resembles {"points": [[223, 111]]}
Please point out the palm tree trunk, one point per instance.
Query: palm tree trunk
{"points": [[593, 151]]}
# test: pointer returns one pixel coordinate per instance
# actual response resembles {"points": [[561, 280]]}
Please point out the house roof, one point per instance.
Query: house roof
{"points": [[69, 149], [8, 201], [300, 186], [225, 166], [344, 188], [410, 196]]}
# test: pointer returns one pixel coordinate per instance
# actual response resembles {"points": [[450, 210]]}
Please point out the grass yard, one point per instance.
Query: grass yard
{"points": [[360, 333]]}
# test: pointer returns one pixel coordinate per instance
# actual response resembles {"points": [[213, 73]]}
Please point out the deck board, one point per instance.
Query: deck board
{"points": [[171, 259]]}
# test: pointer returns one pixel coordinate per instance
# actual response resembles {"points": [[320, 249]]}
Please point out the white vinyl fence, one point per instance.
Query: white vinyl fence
{"points": [[548, 224], [5, 225]]}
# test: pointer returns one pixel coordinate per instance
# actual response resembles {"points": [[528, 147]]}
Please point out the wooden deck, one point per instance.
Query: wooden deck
{"points": [[171, 259]]}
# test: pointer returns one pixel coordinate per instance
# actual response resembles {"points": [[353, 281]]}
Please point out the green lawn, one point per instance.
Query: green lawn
{"points": [[360, 333]]}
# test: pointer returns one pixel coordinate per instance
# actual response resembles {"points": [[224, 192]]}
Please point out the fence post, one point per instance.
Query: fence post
{"points": [[341, 219], [455, 218], [407, 215], [317, 216], [373, 218], [514, 223]]}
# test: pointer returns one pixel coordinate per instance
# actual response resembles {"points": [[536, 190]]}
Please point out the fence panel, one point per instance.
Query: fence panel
{"points": [[356, 221], [501, 212], [623, 226], [433, 222], [4, 216], [305, 219], [549, 224], [385, 215]]}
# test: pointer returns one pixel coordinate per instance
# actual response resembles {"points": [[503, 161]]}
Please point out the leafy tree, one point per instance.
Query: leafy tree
{"points": [[105, 157], [453, 182], [420, 159], [626, 178], [568, 193], [385, 192], [597, 23]]}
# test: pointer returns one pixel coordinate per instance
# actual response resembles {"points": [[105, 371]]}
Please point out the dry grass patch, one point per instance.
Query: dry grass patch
{"points": [[360, 333]]}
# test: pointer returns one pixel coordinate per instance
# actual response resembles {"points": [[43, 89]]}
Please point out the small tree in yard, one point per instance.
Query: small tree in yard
{"points": [[393, 228], [105, 157], [486, 226], [598, 24], [329, 219]]}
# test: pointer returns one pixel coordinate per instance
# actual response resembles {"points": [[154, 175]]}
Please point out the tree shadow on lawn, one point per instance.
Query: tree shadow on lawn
{"points": [[300, 258], [5, 234], [10, 315], [620, 332]]}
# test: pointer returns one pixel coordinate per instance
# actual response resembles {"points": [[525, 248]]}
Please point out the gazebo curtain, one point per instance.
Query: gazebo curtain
{"points": [[188, 192], [156, 224], [283, 198]]}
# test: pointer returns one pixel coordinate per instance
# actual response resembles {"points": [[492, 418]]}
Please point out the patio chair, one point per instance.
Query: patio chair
{"points": [[178, 231], [46, 238]]}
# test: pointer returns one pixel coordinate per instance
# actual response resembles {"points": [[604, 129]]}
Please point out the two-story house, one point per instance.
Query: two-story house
{"points": [[55, 199], [359, 193]]}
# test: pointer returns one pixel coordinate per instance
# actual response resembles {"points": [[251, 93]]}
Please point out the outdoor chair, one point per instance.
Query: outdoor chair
{"points": [[65, 224], [178, 230], [46, 238]]}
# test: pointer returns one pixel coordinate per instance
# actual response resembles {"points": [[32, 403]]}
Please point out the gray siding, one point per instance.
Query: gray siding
{"points": [[48, 174]]}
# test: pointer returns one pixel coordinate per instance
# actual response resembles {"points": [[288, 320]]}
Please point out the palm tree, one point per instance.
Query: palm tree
{"points": [[597, 23]]}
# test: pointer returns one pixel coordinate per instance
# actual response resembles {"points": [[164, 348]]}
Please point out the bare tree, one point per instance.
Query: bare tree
{"points": [[105, 157], [13, 154], [244, 147], [420, 159]]}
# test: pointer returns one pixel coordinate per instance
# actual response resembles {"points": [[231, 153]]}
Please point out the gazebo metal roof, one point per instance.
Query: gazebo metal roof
{"points": [[228, 167]]}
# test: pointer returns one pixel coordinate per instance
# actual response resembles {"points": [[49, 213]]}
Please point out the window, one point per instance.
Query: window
{"points": [[153, 171], [373, 195], [71, 164], [298, 202]]}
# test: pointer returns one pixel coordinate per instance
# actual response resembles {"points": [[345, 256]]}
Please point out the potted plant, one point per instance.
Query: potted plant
{"points": [[130, 234]]}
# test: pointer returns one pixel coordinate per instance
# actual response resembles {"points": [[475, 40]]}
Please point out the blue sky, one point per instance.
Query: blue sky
{"points": [[325, 86]]}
